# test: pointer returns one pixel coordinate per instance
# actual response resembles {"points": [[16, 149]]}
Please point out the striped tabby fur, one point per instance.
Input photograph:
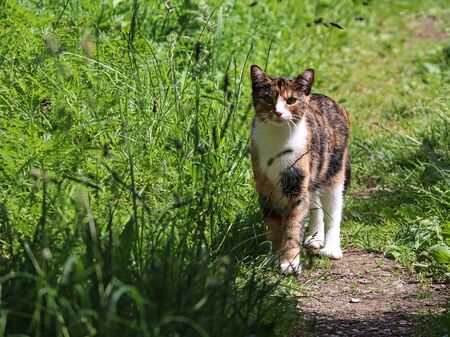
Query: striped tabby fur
{"points": [[300, 159]]}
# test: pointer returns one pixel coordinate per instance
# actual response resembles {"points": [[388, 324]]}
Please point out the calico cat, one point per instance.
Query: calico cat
{"points": [[300, 159]]}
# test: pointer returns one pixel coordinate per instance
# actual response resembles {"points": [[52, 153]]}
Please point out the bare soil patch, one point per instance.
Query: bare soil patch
{"points": [[365, 294], [427, 28]]}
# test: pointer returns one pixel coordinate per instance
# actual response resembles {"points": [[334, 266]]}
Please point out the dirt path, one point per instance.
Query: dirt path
{"points": [[366, 294]]}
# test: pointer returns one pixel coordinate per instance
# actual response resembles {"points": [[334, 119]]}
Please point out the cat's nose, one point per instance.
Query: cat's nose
{"points": [[278, 113]]}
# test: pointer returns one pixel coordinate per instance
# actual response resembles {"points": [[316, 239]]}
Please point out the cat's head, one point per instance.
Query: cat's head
{"points": [[280, 100]]}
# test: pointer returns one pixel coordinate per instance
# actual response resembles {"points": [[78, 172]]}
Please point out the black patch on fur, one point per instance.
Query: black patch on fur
{"points": [[268, 210], [291, 182], [335, 164], [321, 151], [261, 89], [348, 174], [282, 153], [319, 144], [281, 82]]}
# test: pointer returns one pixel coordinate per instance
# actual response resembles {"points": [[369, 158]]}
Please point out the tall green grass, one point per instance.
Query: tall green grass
{"points": [[127, 196], [406, 213], [127, 201]]}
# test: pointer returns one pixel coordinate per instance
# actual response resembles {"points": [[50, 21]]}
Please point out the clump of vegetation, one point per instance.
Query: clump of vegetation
{"points": [[409, 208], [126, 198], [424, 241]]}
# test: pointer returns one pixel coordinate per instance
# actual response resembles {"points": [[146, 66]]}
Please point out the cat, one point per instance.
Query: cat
{"points": [[300, 160]]}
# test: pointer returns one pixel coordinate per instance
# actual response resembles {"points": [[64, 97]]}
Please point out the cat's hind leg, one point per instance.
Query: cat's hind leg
{"points": [[332, 203], [316, 239]]}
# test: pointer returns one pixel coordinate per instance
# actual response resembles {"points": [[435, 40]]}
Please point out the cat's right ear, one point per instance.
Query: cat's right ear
{"points": [[258, 75], [305, 81]]}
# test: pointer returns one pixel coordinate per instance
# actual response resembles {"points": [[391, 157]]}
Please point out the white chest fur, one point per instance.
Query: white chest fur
{"points": [[279, 146]]}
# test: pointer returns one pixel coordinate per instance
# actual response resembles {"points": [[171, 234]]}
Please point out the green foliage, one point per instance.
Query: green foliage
{"points": [[423, 243], [117, 159], [412, 210]]}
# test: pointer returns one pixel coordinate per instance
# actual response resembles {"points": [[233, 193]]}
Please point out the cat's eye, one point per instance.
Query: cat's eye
{"points": [[268, 99], [291, 100]]}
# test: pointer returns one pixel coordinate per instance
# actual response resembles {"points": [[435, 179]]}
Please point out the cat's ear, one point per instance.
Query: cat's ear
{"points": [[305, 81], [258, 75]]}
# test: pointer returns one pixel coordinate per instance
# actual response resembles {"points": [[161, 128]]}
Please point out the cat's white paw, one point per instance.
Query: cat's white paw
{"points": [[314, 241], [333, 252], [291, 266]]}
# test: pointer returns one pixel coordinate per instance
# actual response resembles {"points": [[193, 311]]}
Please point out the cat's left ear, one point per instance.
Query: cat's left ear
{"points": [[258, 75], [305, 81]]}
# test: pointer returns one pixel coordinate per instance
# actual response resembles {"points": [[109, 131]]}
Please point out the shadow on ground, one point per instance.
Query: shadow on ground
{"points": [[366, 294], [389, 324]]}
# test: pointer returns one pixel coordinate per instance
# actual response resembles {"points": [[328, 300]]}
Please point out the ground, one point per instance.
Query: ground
{"points": [[366, 294]]}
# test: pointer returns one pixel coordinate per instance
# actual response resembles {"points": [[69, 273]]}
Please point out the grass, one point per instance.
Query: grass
{"points": [[126, 190]]}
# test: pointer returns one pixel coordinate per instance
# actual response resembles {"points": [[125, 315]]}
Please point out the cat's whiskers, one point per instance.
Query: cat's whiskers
{"points": [[261, 124], [289, 127], [289, 124]]}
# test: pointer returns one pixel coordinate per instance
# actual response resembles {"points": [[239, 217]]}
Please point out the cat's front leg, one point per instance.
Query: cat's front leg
{"points": [[274, 228], [316, 239], [291, 240], [332, 202]]}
